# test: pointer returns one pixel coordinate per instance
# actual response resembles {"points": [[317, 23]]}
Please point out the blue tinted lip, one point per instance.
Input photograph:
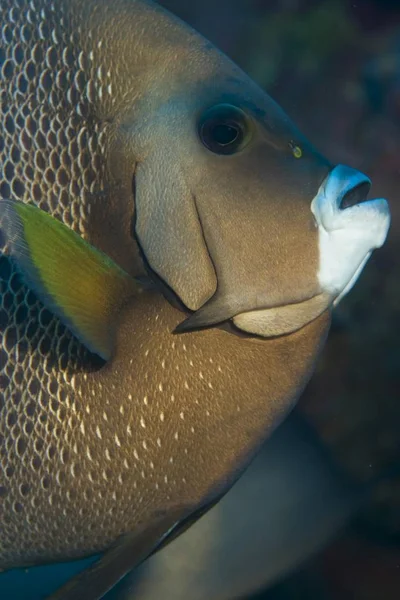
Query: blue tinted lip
{"points": [[338, 183], [343, 179]]}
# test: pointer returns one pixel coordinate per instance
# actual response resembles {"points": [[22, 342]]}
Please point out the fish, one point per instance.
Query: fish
{"points": [[171, 250]]}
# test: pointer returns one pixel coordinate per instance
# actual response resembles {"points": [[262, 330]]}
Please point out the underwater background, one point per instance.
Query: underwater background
{"points": [[317, 516]]}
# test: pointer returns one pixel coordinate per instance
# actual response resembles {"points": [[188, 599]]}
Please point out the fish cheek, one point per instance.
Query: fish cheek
{"points": [[169, 231], [259, 232]]}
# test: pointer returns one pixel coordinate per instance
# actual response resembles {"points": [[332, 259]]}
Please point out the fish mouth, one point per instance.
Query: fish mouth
{"points": [[345, 189], [356, 195], [350, 227]]}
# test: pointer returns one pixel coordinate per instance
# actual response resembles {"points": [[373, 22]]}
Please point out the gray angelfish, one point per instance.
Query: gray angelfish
{"points": [[155, 157]]}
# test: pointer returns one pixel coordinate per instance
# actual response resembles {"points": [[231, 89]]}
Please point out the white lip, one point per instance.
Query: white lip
{"points": [[347, 236]]}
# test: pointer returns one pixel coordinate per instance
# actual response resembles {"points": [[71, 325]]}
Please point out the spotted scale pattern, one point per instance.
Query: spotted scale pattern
{"points": [[52, 154]]}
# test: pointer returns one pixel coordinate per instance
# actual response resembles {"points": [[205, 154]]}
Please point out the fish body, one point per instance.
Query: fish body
{"points": [[137, 136], [294, 502], [109, 453]]}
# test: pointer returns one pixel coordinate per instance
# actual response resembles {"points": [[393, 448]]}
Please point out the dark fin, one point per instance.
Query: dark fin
{"points": [[130, 552], [77, 282]]}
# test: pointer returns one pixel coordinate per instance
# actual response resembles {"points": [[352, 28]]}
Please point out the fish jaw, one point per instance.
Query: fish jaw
{"points": [[347, 236], [282, 320]]}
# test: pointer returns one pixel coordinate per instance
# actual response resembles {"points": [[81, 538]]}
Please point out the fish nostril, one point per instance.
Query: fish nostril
{"points": [[356, 195]]}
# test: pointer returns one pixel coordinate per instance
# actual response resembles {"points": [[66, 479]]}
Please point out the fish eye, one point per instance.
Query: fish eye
{"points": [[224, 129]]}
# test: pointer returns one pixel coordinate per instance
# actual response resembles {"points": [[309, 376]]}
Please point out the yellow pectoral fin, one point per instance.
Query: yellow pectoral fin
{"points": [[80, 284]]}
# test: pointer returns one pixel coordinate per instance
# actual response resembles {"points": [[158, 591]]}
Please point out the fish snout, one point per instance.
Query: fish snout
{"points": [[350, 227]]}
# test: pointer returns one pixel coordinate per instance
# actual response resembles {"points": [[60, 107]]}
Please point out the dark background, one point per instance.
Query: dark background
{"points": [[334, 66]]}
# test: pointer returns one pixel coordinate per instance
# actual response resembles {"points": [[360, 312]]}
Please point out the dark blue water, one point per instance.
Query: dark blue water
{"points": [[36, 583]]}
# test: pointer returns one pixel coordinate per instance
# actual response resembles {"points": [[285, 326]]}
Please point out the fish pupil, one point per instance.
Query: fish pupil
{"points": [[225, 134], [223, 129]]}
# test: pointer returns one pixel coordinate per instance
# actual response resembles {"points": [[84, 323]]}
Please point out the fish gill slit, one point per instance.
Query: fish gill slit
{"points": [[203, 235], [134, 212]]}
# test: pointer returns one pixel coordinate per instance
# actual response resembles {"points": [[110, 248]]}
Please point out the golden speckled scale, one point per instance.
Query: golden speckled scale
{"points": [[52, 154]]}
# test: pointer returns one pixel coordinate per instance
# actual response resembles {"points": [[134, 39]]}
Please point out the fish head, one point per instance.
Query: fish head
{"points": [[240, 216]]}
